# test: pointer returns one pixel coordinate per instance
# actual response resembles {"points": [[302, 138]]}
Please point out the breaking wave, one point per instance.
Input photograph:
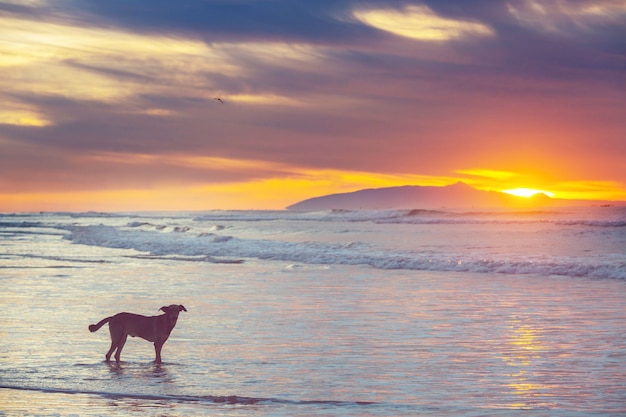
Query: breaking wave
{"points": [[419, 216], [214, 248]]}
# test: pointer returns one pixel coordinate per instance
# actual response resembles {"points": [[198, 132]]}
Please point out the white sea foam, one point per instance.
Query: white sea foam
{"points": [[185, 242], [577, 243]]}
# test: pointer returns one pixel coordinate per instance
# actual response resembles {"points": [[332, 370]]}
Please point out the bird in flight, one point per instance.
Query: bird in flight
{"points": [[219, 99]]}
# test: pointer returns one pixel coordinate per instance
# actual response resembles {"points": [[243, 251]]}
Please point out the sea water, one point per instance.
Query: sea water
{"points": [[337, 313]]}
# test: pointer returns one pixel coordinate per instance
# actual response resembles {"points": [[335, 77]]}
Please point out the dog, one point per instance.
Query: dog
{"points": [[154, 329]]}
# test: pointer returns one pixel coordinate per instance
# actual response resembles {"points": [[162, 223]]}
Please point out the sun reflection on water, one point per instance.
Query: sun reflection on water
{"points": [[523, 353]]}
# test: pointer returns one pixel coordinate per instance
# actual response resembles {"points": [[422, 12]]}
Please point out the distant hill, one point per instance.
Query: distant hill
{"points": [[459, 195]]}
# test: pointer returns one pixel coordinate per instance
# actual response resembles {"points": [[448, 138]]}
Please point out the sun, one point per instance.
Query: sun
{"points": [[527, 192]]}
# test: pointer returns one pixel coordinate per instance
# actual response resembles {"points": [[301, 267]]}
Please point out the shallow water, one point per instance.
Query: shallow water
{"points": [[270, 337]]}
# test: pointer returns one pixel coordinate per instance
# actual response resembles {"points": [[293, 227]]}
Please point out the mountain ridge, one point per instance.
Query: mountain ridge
{"points": [[458, 195]]}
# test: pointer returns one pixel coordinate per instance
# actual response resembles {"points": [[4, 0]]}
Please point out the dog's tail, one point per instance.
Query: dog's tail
{"points": [[96, 327]]}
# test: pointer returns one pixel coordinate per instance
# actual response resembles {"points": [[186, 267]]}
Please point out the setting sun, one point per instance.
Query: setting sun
{"points": [[527, 192]]}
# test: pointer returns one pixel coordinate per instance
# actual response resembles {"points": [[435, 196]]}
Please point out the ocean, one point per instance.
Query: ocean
{"points": [[333, 313]]}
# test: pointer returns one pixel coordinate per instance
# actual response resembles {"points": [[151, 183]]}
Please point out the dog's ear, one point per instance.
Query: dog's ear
{"points": [[164, 309], [181, 308]]}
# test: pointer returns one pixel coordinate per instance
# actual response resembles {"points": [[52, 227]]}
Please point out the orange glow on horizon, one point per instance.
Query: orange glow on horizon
{"points": [[270, 193], [282, 186]]}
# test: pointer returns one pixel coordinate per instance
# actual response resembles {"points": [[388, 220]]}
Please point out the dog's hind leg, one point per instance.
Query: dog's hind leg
{"points": [[117, 342], [120, 346], [110, 352], [117, 337]]}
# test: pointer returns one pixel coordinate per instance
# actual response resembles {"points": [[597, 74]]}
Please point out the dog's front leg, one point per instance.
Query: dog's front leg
{"points": [[158, 345]]}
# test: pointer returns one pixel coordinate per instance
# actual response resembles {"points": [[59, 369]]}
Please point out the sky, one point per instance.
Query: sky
{"points": [[111, 105]]}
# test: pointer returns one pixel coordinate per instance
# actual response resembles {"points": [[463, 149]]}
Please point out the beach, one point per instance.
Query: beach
{"points": [[315, 314]]}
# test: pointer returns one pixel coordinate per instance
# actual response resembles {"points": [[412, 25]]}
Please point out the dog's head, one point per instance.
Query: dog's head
{"points": [[172, 312], [173, 309]]}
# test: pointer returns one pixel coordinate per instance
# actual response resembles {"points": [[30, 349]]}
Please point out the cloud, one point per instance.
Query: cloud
{"points": [[419, 22]]}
